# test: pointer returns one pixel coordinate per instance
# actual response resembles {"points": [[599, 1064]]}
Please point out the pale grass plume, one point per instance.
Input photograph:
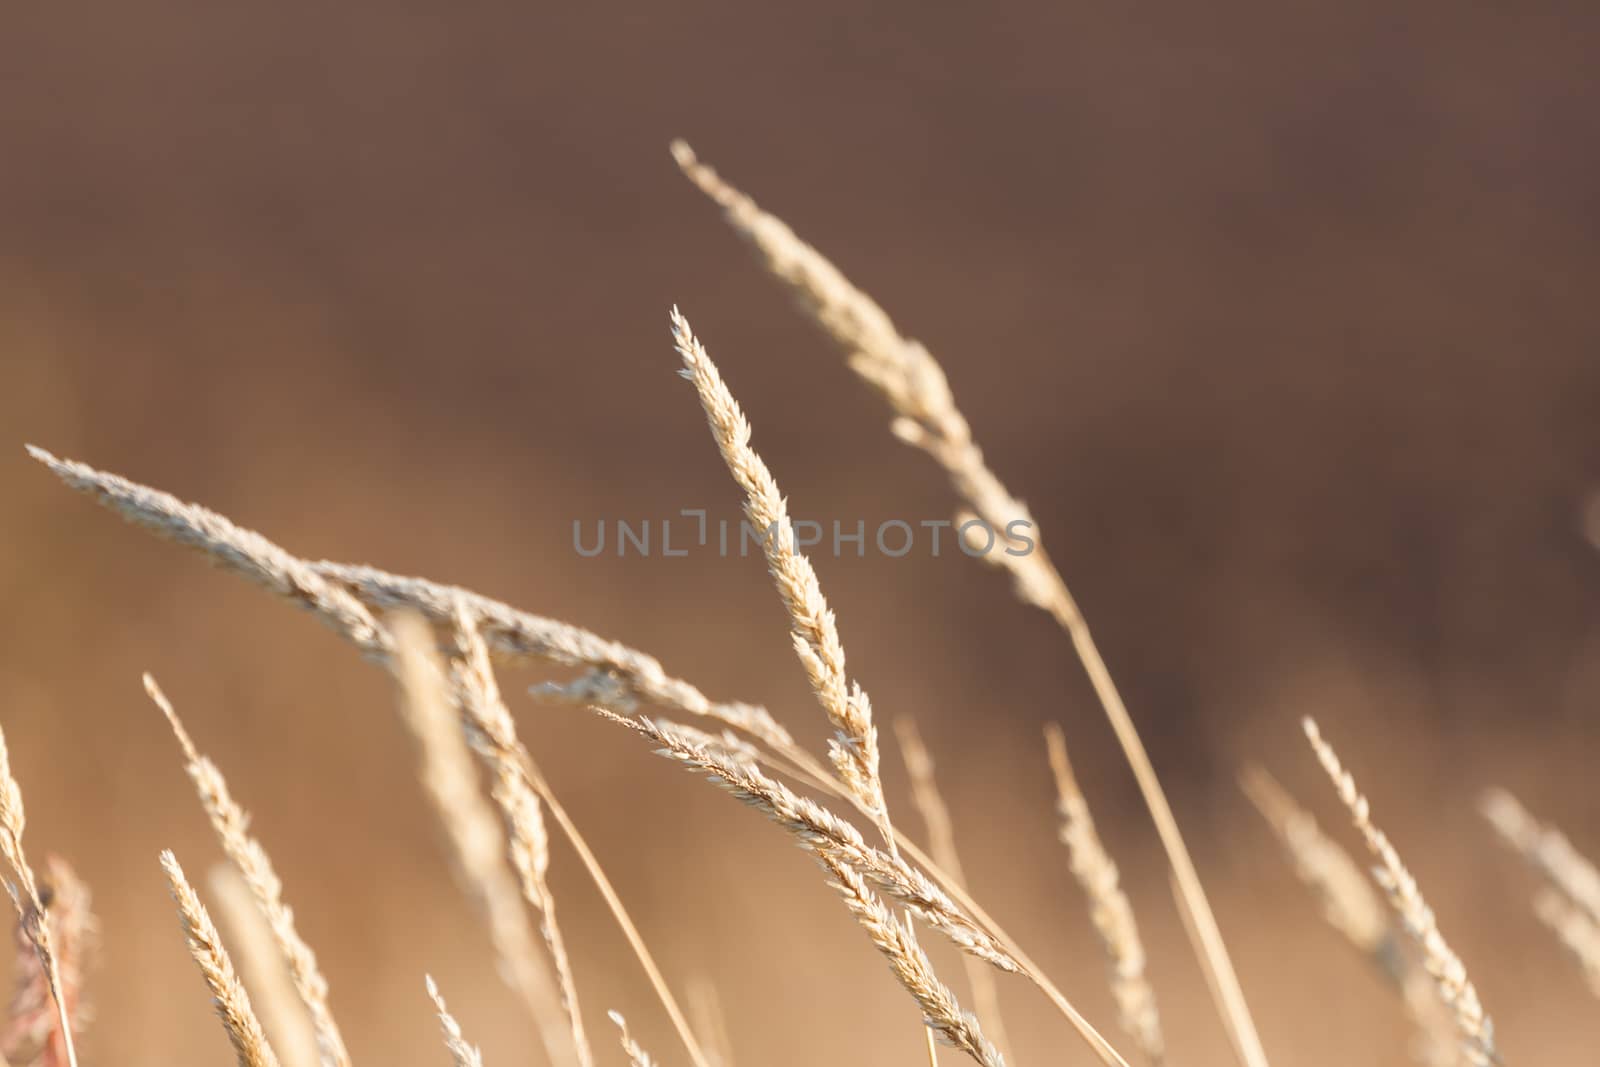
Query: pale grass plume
{"points": [[1473, 1025], [853, 750], [900, 369], [263, 968], [343, 595], [476, 838], [1577, 931], [1546, 849], [930, 804], [830, 837], [1348, 901], [243, 551], [836, 841], [730, 746], [894, 938], [926, 416], [1353, 907], [507, 760], [854, 747], [637, 1056], [33, 1035], [731, 753], [227, 991], [710, 1021], [1109, 908], [24, 893], [230, 823], [462, 1054]]}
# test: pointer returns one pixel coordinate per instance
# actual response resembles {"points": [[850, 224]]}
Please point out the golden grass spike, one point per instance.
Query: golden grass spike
{"points": [[1455, 988], [1348, 901], [942, 844], [854, 749], [1351, 905], [835, 840], [894, 938], [926, 417], [477, 838], [821, 831], [1109, 907], [243, 551], [227, 992], [637, 1056], [462, 1054], [24, 893], [230, 824]]}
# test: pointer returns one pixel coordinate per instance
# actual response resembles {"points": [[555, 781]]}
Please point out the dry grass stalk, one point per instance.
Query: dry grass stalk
{"points": [[1351, 905], [894, 938], [854, 748], [1475, 1028], [25, 897], [230, 823], [942, 843], [263, 968], [506, 757], [1577, 931], [926, 416], [476, 837], [1546, 850], [227, 992], [462, 1054], [33, 1037], [637, 1056], [1109, 907], [608, 893]]}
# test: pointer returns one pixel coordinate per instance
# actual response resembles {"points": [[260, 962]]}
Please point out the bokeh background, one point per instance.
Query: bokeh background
{"points": [[1279, 316]]}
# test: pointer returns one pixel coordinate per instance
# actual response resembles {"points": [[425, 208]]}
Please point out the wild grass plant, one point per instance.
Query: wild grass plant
{"points": [[895, 867]]}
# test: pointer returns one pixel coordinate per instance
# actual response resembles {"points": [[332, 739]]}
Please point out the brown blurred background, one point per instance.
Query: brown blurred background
{"points": [[1279, 316]]}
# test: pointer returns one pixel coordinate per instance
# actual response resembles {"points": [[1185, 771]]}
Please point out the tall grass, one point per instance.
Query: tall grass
{"points": [[494, 806]]}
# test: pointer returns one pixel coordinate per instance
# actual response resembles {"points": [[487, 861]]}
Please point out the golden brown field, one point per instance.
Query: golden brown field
{"points": [[1274, 323]]}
